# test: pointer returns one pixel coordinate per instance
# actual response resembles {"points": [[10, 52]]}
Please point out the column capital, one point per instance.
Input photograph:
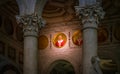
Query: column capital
{"points": [[90, 14], [30, 23]]}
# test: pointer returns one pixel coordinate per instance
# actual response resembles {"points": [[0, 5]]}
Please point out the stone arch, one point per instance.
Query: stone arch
{"points": [[61, 66]]}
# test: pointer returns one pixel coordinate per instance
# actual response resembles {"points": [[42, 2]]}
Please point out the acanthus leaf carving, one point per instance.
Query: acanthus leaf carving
{"points": [[31, 22], [90, 13]]}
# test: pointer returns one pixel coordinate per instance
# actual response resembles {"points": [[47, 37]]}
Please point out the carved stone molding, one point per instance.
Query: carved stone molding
{"points": [[90, 13], [30, 22]]}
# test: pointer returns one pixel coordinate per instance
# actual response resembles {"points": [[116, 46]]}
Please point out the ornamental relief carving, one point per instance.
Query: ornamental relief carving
{"points": [[90, 13], [31, 22]]}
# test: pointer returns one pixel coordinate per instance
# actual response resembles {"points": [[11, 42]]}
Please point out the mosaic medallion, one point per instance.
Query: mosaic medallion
{"points": [[102, 34], [77, 38], [43, 42], [59, 40]]}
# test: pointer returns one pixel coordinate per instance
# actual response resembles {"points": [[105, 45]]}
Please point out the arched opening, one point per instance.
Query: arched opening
{"points": [[61, 67]]}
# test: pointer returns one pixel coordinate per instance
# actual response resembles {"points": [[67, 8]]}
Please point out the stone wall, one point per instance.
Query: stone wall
{"points": [[11, 45], [70, 52]]}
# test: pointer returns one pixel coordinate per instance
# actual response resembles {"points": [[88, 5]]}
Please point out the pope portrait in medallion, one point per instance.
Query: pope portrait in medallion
{"points": [[59, 40]]}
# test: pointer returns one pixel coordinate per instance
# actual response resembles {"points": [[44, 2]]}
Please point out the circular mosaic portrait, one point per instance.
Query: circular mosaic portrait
{"points": [[117, 32], [59, 40], [102, 34], [77, 38], [43, 42]]}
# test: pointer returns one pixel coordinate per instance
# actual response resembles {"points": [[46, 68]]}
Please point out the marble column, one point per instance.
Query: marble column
{"points": [[30, 24], [89, 17]]}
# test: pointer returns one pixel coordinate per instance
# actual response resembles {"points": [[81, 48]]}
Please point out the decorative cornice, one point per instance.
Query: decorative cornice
{"points": [[90, 14], [30, 22]]}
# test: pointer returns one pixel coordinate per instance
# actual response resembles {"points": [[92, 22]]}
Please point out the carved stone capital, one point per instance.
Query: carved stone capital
{"points": [[90, 14], [30, 23]]}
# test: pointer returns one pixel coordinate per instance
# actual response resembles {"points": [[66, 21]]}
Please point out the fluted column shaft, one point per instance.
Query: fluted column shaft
{"points": [[90, 18]]}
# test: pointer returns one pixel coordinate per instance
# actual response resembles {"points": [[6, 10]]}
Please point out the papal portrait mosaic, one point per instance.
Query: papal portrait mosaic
{"points": [[59, 40], [77, 38]]}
